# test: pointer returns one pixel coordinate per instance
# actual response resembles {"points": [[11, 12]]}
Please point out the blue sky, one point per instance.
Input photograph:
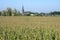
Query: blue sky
{"points": [[31, 5]]}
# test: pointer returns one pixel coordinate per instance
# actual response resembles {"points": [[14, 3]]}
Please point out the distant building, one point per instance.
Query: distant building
{"points": [[28, 13], [31, 14]]}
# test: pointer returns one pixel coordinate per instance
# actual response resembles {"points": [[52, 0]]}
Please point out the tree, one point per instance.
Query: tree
{"points": [[8, 12], [54, 13], [42, 14], [18, 13], [0, 13], [14, 12], [3, 13]]}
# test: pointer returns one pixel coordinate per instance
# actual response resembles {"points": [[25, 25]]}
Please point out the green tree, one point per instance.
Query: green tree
{"points": [[54, 13], [0, 13], [8, 12], [14, 12], [3, 13], [19, 14], [42, 14]]}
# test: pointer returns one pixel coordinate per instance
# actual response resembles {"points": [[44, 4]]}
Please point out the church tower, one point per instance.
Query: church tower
{"points": [[23, 10]]}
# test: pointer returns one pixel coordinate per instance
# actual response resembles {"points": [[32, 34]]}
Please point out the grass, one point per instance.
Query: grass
{"points": [[29, 28]]}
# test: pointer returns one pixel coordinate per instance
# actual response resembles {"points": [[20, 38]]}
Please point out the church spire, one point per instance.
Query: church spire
{"points": [[22, 10]]}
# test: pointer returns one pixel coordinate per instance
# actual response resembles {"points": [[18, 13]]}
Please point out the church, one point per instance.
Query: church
{"points": [[24, 13]]}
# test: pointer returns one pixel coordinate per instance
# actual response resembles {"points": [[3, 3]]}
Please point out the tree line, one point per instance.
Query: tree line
{"points": [[10, 12], [14, 12]]}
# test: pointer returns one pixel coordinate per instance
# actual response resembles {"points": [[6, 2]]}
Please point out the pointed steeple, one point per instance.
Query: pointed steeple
{"points": [[22, 10]]}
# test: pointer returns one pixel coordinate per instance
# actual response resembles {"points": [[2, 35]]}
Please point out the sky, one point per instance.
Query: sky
{"points": [[31, 5]]}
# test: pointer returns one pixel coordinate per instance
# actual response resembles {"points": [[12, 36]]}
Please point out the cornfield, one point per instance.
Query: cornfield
{"points": [[29, 28]]}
